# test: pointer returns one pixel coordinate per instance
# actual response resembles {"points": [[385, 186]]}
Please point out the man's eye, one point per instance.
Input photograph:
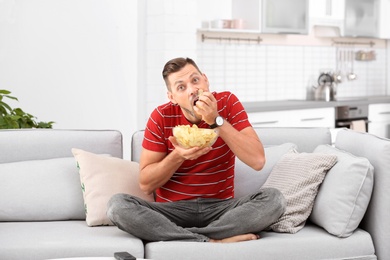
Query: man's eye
{"points": [[195, 80], [180, 87]]}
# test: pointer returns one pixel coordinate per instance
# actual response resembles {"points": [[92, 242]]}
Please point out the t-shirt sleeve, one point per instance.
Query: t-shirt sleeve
{"points": [[237, 115], [154, 138]]}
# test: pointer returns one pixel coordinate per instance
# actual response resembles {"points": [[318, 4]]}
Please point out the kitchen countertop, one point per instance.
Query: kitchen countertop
{"points": [[279, 105]]}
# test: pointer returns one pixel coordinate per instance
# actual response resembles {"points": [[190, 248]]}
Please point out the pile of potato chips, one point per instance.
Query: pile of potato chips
{"points": [[189, 137]]}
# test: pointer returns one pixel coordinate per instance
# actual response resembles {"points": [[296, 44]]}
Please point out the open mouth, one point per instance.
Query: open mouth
{"points": [[196, 100]]}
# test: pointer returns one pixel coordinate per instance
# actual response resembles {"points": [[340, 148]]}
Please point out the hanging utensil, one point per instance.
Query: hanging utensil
{"points": [[351, 75], [344, 62], [337, 77]]}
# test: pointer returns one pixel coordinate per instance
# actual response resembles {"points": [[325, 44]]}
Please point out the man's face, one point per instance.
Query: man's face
{"points": [[183, 90]]}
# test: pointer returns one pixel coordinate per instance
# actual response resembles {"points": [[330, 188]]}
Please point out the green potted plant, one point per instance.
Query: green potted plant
{"points": [[11, 118]]}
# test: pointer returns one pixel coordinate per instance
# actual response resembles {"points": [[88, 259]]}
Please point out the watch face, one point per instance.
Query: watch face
{"points": [[219, 120]]}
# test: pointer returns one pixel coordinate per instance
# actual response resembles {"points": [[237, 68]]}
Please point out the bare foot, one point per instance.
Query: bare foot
{"points": [[239, 238]]}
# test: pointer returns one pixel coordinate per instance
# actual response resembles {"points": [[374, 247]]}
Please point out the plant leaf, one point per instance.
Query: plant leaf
{"points": [[6, 106], [17, 118], [5, 92]]}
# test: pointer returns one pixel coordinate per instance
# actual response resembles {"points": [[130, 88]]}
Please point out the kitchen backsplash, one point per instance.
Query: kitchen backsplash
{"points": [[257, 72]]}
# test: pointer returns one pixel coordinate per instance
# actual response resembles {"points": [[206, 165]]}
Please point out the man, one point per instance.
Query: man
{"points": [[194, 187]]}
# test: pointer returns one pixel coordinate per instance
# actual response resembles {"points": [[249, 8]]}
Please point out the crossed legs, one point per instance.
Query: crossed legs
{"points": [[212, 220]]}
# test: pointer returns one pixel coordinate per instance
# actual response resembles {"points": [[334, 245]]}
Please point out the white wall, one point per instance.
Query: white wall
{"points": [[73, 62], [216, 9]]}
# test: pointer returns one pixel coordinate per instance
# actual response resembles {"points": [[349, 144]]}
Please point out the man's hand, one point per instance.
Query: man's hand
{"points": [[206, 106], [191, 153]]}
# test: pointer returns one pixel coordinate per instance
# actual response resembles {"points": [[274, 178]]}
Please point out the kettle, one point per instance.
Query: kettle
{"points": [[326, 89]]}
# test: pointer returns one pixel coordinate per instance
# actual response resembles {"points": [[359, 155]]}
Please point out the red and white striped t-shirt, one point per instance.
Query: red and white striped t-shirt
{"points": [[212, 174]]}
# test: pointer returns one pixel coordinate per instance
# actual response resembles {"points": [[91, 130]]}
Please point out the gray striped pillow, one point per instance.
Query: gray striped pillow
{"points": [[298, 176]]}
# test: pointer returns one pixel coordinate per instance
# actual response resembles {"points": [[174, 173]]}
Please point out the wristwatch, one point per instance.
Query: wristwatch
{"points": [[218, 122]]}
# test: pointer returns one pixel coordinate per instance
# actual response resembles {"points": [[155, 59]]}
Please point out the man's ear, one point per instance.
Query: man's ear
{"points": [[170, 97]]}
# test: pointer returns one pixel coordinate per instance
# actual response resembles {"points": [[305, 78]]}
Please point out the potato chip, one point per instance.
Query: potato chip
{"points": [[189, 137]]}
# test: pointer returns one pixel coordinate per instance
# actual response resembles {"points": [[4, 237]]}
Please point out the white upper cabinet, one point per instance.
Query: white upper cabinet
{"points": [[384, 19], [361, 18], [367, 18], [285, 16], [327, 13], [351, 18], [273, 16]]}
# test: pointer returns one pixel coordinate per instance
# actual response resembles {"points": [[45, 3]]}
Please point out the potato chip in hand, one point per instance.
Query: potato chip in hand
{"points": [[189, 137]]}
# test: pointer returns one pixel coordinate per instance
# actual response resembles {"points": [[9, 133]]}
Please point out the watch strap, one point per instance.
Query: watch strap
{"points": [[216, 124]]}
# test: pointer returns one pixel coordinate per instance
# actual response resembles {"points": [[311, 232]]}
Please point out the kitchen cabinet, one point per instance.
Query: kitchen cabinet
{"points": [[273, 16], [379, 116], [318, 117], [367, 18], [384, 19], [328, 13]]}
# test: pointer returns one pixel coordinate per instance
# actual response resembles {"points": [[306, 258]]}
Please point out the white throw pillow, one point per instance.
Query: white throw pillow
{"points": [[298, 176], [344, 195], [102, 177], [247, 180]]}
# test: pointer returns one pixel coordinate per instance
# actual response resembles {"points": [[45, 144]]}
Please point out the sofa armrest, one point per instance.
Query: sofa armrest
{"points": [[377, 151]]}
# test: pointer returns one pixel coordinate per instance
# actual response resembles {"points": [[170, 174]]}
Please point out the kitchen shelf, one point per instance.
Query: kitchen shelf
{"points": [[227, 30], [353, 43], [226, 35]]}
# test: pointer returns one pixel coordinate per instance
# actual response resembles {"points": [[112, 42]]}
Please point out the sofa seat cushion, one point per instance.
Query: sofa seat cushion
{"points": [[60, 239], [311, 242]]}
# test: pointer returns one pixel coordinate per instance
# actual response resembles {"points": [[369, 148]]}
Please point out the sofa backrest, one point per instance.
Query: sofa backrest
{"points": [[39, 178], [40, 144], [306, 139]]}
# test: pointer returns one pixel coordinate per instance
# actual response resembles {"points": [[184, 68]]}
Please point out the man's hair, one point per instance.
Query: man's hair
{"points": [[175, 65]]}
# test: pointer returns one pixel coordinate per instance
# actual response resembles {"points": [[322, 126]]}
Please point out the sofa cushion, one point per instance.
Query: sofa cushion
{"points": [[344, 195], [101, 177], [298, 176], [312, 242], [40, 190], [248, 180], [64, 239]]}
